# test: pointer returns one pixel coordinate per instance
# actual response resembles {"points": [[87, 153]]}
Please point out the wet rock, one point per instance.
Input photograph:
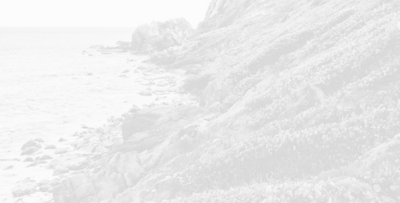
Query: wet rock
{"points": [[146, 92], [30, 143], [118, 120], [44, 188], [60, 170], [141, 120], [50, 146], [62, 150], [74, 189], [9, 167], [30, 150], [165, 57], [71, 162], [45, 157], [25, 187], [28, 159], [148, 74], [162, 83], [62, 140], [146, 83], [43, 182], [134, 109], [39, 140]]}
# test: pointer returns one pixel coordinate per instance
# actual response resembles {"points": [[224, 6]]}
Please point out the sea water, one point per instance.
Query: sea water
{"points": [[51, 82]]}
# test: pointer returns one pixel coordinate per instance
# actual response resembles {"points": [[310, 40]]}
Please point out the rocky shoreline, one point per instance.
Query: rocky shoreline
{"points": [[293, 101], [51, 164]]}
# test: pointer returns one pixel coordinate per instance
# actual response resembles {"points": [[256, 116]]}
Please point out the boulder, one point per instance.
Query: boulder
{"points": [[141, 120], [62, 140], [158, 36], [162, 83], [61, 150], [25, 187], [30, 143], [145, 93], [50, 146], [71, 162], [60, 170], [134, 109], [45, 157], [39, 140], [28, 159], [9, 167], [30, 150]]}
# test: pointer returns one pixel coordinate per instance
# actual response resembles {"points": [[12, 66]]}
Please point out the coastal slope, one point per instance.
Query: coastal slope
{"points": [[299, 103]]}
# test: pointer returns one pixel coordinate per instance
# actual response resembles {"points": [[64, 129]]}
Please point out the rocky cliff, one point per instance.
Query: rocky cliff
{"points": [[301, 103], [158, 36]]}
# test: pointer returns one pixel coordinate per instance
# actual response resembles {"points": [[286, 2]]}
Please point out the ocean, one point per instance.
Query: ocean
{"points": [[50, 85]]}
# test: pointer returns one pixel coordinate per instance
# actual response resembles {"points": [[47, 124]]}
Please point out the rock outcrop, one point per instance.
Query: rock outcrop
{"points": [[158, 36]]}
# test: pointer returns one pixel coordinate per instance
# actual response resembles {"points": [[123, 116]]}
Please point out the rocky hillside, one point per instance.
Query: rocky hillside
{"points": [[300, 102]]}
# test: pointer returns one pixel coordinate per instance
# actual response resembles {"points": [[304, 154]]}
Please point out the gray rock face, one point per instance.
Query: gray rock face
{"points": [[158, 36], [118, 172]]}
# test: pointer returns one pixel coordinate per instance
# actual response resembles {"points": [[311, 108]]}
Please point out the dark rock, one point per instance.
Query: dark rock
{"points": [[62, 140], [43, 182], [166, 57], [70, 161], [25, 187], [44, 188], [28, 159], [30, 143], [50, 146], [146, 92], [62, 150], [30, 150], [39, 140], [45, 157], [134, 109], [9, 167], [141, 120], [60, 170]]}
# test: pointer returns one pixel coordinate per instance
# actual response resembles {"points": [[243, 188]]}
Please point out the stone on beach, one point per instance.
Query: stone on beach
{"points": [[62, 140], [31, 143], [146, 92], [29, 150], [25, 187], [71, 162], [50, 146], [162, 83], [9, 167], [60, 170], [61, 150]]}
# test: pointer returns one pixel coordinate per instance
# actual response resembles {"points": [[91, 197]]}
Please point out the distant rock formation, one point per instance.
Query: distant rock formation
{"points": [[158, 36]]}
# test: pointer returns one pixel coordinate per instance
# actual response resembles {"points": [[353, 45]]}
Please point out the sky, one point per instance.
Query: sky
{"points": [[97, 13]]}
